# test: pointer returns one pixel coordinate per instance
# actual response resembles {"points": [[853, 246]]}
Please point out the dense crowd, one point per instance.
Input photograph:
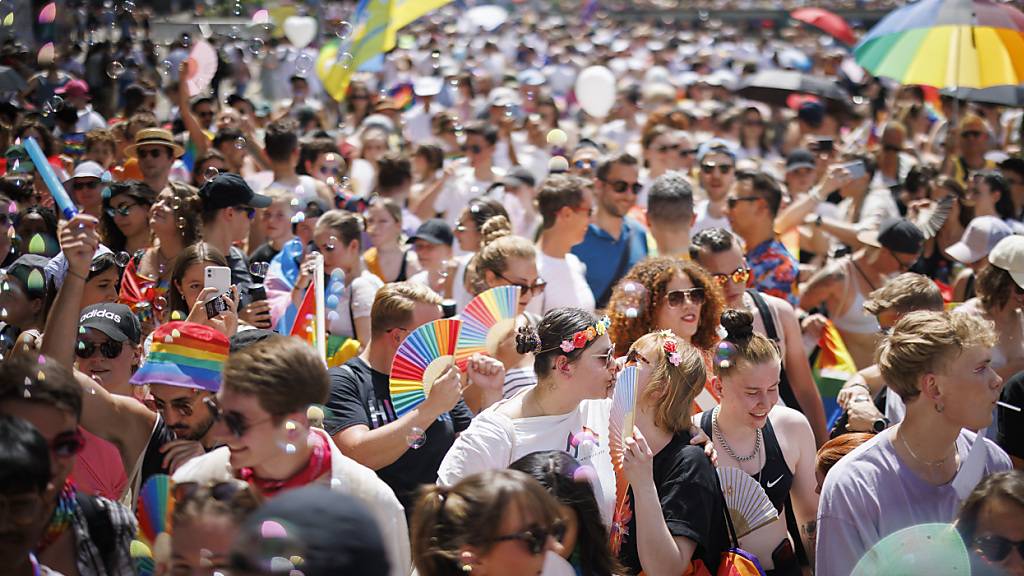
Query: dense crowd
{"points": [[817, 303]]}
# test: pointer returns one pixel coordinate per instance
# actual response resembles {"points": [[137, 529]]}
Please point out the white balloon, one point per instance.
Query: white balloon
{"points": [[300, 30], [595, 91]]}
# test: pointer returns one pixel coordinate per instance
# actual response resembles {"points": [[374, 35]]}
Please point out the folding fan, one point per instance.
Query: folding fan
{"points": [[155, 507], [424, 354], [620, 427], [748, 503], [485, 320]]}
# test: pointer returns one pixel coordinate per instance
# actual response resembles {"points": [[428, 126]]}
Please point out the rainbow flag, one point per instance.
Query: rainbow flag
{"points": [[308, 321], [377, 23], [831, 366]]}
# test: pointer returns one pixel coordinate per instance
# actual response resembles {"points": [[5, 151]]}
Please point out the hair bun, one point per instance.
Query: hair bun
{"points": [[527, 340], [497, 226], [738, 324]]}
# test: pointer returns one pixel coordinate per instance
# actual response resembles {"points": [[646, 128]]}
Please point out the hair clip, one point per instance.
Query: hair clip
{"points": [[672, 352]]}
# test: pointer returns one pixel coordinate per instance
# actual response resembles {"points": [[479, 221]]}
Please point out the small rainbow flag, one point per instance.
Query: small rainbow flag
{"points": [[832, 366]]}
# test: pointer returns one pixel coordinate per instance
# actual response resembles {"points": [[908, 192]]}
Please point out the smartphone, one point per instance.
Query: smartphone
{"points": [[824, 145], [856, 169], [218, 277]]}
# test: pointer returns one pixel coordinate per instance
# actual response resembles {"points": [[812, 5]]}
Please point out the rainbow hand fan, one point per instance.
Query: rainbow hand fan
{"points": [[485, 321], [748, 503], [155, 507], [620, 427], [424, 354]]}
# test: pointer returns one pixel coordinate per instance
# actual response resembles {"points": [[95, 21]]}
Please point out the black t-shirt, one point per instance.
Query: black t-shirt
{"points": [[690, 501], [1011, 423], [360, 395], [153, 459], [264, 253], [240, 275]]}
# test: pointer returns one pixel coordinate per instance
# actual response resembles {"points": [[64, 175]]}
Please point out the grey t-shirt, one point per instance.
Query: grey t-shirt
{"points": [[870, 494]]}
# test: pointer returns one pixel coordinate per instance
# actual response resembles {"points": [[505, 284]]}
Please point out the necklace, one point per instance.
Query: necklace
{"points": [[62, 516], [935, 463], [863, 275], [716, 431]]}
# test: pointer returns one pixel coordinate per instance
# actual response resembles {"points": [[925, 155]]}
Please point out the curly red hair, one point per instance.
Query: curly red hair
{"points": [[655, 274]]}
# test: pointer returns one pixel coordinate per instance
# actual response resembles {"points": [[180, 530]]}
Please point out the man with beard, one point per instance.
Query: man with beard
{"points": [[614, 242]]}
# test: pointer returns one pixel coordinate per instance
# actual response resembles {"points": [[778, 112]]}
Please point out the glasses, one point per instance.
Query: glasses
{"points": [[667, 147], [535, 537], [588, 210], [122, 210], [235, 422], [738, 276], [903, 264], [87, 349], [330, 170], [608, 357], [723, 169], [972, 133], [677, 298], [220, 491], [633, 357], [536, 288], [997, 548], [152, 153], [475, 149], [732, 202], [80, 185], [67, 444], [620, 186], [183, 406], [249, 211], [588, 163], [20, 510]]}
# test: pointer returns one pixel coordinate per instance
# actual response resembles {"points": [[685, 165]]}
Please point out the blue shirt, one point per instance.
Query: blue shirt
{"points": [[603, 254]]}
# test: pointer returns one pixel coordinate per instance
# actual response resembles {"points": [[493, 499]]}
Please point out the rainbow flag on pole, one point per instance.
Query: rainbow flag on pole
{"points": [[377, 23]]}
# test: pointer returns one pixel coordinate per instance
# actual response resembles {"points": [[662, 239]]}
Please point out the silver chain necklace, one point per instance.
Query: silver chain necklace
{"points": [[716, 431]]}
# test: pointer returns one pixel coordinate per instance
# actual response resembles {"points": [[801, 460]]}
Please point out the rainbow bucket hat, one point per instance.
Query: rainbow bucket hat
{"points": [[184, 354]]}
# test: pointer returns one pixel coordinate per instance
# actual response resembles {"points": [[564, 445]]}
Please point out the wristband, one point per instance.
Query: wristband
{"points": [[77, 275]]}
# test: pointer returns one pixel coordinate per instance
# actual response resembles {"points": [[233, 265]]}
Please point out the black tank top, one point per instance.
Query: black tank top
{"points": [[775, 476]]}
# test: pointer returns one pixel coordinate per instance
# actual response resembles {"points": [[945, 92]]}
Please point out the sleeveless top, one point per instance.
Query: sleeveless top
{"points": [[373, 265], [855, 319], [775, 476]]}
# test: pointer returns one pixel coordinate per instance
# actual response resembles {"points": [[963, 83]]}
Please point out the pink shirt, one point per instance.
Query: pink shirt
{"points": [[99, 469]]}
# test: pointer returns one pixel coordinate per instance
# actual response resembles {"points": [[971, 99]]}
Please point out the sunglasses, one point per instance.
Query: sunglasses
{"points": [[738, 276], [475, 149], [608, 357], [997, 548], [152, 153], [620, 186], [87, 349], [667, 147], [677, 298], [581, 164], [79, 185], [183, 406], [723, 169], [904, 265], [536, 288], [249, 211], [235, 422], [122, 210], [972, 133], [535, 537], [732, 202], [67, 444], [20, 510]]}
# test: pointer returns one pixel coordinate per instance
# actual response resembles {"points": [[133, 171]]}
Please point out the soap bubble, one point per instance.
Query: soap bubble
{"points": [[345, 60], [53, 105], [240, 143], [332, 301], [303, 63], [557, 137], [256, 46], [186, 41], [115, 69], [415, 438], [343, 30], [210, 173], [558, 164], [259, 269], [632, 298], [122, 258]]}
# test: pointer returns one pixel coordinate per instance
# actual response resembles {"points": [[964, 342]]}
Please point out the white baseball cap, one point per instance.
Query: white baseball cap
{"points": [[1009, 255], [980, 237]]}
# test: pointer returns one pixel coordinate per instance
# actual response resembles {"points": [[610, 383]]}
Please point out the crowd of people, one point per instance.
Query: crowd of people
{"points": [[712, 246]]}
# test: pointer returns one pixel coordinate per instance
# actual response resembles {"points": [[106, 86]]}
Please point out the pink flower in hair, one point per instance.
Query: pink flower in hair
{"points": [[567, 346]]}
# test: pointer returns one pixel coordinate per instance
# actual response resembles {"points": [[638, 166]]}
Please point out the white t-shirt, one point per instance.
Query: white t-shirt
{"points": [[566, 284], [455, 196], [361, 293], [494, 441], [705, 221]]}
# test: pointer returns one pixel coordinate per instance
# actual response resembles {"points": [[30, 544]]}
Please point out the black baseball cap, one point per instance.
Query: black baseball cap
{"points": [[519, 176], [227, 190], [332, 532], [895, 234], [435, 231], [799, 158], [115, 320], [22, 270], [245, 338]]}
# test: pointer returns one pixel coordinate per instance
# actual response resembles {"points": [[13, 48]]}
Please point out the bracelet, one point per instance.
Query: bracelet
{"points": [[859, 385], [77, 275]]}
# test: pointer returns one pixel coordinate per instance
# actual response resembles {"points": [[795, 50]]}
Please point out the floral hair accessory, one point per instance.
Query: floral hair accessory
{"points": [[725, 351], [671, 349], [589, 334]]}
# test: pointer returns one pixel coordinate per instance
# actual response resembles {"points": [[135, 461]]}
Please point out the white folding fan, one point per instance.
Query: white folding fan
{"points": [[748, 504]]}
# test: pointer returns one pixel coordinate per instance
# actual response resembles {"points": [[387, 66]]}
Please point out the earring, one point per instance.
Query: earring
{"points": [[939, 407], [467, 568]]}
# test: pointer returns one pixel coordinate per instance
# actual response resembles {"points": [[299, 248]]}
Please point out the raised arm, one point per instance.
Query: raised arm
{"points": [[195, 131]]}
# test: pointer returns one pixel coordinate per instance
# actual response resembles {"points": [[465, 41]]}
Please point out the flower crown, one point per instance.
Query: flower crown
{"points": [[580, 339]]}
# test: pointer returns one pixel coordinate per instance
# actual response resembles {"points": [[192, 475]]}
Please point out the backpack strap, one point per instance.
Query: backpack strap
{"points": [[101, 528]]}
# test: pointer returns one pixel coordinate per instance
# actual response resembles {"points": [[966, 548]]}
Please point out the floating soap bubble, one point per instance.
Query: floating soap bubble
{"points": [[240, 143], [415, 438], [558, 164], [557, 137], [345, 60], [210, 173], [115, 69], [259, 269], [122, 258], [343, 30], [255, 46], [632, 298]]}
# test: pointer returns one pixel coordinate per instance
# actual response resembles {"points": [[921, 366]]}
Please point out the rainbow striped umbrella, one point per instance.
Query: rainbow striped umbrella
{"points": [[947, 43]]}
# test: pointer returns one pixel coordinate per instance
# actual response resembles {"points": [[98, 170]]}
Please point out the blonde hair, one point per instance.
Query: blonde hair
{"points": [[925, 342], [905, 293], [394, 304], [672, 389], [741, 345], [497, 246]]}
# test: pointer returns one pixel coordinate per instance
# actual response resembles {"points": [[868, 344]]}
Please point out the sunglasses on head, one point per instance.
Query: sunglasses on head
{"points": [[87, 349], [152, 152], [621, 186], [235, 422], [535, 537], [82, 185], [67, 444], [677, 298], [738, 276], [122, 210], [722, 168], [997, 548]]}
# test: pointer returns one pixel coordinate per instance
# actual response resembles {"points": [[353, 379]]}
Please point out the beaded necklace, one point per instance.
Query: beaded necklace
{"points": [[62, 516]]}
